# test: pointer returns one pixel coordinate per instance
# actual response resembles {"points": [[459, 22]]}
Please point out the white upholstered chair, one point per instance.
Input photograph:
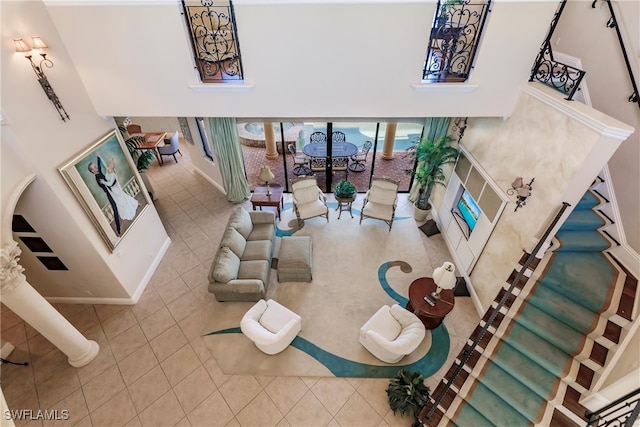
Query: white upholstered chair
{"points": [[308, 199], [381, 200], [271, 326], [392, 333]]}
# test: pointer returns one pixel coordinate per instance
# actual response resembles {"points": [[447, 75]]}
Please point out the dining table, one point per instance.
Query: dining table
{"points": [[152, 141], [339, 149]]}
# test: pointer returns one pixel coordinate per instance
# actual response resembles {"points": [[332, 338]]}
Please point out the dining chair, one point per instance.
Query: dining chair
{"points": [[338, 136], [170, 147], [318, 137], [318, 164], [134, 129], [340, 164], [300, 163], [359, 160], [381, 200]]}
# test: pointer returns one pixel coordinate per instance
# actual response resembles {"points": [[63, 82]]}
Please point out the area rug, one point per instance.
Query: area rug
{"points": [[357, 268]]}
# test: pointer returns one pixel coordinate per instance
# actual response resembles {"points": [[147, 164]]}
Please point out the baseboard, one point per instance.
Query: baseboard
{"points": [[210, 180], [120, 301]]}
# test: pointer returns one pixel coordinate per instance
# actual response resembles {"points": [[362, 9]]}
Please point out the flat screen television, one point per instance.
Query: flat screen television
{"points": [[466, 212]]}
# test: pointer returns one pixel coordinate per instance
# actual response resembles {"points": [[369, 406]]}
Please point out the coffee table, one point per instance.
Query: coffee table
{"points": [[430, 315], [259, 197]]}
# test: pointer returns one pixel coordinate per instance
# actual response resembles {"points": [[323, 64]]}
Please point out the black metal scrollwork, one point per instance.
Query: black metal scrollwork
{"points": [[215, 42], [454, 38]]}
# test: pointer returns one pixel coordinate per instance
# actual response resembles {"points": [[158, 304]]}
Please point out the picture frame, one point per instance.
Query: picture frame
{"points": [[104, 179]]}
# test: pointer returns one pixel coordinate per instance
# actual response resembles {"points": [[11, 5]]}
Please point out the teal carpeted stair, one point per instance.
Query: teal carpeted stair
{"points": [[515, 378]]}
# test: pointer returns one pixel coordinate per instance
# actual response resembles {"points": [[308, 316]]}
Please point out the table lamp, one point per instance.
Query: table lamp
{"points": [[267, 176], [444, 278]]}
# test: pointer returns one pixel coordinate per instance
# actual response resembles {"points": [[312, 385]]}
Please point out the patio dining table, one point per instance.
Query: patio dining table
{"points": [[339, 149]]}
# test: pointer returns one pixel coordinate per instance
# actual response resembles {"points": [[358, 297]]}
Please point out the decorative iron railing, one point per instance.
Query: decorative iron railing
{"points": [[214, 39], [430, 409], [613, 23], [547, 70], [621, 413], [453, 44]]}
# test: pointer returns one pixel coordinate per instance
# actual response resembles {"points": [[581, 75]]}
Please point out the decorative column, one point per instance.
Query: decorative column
{"points": [[389, 140], [24, 301], [270, 141]]}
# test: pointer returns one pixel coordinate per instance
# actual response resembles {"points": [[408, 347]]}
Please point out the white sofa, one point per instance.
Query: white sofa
{"points": [[271, 326], [392, 333], [242, 266]]}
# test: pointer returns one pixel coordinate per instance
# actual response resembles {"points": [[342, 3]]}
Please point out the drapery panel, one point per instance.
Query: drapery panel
{"points": [[433, 128], [227, 147]]}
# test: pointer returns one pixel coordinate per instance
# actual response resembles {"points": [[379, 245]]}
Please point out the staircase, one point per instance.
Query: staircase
{"points": [[550, 341]]}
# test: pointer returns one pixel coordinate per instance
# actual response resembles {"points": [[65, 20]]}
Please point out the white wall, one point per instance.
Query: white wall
{"points": [[582, 33], [564, 155], [36, 132], [310, 59]]}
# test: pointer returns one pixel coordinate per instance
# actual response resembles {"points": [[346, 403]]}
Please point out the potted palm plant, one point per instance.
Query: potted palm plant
{"points": [[431, 156], [408, 394]]}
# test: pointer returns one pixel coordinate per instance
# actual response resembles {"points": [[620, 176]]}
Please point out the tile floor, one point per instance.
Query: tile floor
{"points": [[153, 368]]}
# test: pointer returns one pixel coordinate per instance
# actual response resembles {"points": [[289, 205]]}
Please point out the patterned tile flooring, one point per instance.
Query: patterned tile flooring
{"points": [[153, 368]]}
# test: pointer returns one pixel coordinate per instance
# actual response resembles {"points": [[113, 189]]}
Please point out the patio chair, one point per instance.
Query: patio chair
{"points": [[338, 136], [308, 199], [318, 164], [381, 200], [359, 160], [318, 137], [300, 163], [340, 164]]}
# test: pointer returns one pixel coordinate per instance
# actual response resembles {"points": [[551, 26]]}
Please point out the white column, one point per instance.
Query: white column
{"points": [[24, 301]]}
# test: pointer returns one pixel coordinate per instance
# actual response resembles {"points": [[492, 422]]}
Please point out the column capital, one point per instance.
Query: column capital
{"points": [[10, 271]]}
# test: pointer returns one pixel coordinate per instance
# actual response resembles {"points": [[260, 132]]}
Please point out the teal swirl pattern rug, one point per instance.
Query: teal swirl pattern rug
{"points": [[357, 268]]}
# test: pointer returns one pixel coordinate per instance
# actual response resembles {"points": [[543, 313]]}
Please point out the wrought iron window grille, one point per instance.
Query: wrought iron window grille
{"points": [[214, 39], [454, 39]]}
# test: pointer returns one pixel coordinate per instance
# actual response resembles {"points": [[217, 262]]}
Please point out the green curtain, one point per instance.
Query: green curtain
{"points": [[227, 147], [433, 128]]}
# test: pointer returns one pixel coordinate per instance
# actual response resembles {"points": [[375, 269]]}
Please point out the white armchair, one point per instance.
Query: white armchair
{"points": [[308, 199], [271, 326], [381, 200], [392, 333]]}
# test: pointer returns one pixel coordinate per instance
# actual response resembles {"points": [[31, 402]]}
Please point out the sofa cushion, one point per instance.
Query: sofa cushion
{"points": [[263, 232], [226, 265], [241, 221], [255, 269], [234, 240], [257, 249]]}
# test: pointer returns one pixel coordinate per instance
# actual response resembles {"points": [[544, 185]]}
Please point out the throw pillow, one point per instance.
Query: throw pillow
{"points": [[227, 265], [241, 221], [234, 241]]}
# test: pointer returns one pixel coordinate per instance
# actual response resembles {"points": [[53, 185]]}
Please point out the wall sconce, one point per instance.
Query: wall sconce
{"points": [[22, 46], [521, 190]]}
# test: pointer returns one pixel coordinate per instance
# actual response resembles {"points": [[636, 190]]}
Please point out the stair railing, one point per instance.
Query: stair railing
{"points": [[623, 412], [613, 23], [467, 353]]}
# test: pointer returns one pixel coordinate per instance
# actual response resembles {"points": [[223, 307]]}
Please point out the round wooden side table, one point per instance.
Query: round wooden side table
{"points": [[431, 315]]}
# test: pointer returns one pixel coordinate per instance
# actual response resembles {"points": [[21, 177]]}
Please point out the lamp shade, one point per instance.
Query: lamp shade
{"points": [[38, 43], [21, 46], [265, 174], [517, 183], [444, 276]]}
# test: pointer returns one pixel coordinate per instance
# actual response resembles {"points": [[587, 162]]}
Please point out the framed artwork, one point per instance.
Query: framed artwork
{"points": [[104, 181]]}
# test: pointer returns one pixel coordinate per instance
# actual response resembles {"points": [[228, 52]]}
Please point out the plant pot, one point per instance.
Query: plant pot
{"points": [[420, 215]]}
